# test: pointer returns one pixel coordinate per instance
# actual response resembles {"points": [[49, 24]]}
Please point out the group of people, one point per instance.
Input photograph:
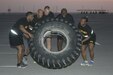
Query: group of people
{"points": [[21, 32]]}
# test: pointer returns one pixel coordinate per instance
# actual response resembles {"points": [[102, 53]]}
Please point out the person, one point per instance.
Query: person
{"points": [[16, 34], [89, 39], [66, 17], [48, 15], [38, 17]]}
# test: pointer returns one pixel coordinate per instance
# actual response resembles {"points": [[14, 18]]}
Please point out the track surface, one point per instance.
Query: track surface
{"points": [[102, 25]]}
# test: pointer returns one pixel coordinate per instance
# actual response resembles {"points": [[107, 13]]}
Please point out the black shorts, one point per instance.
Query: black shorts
{"points": [[15, 40], [91, 40], [59, 38]]}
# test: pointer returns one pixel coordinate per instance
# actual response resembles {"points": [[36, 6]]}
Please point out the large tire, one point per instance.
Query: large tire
{"points": [[55, 60]]}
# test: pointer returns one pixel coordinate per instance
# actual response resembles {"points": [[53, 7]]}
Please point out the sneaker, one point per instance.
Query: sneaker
{"points": [[25, 60], [23, 65], [84, 63], [19, 66], [34, 62], [91, 63]]}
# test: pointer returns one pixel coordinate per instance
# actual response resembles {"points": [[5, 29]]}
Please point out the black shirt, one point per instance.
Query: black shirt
{"points": [[86, 31], [36, 20], [22, 21], [68, 18], [49, 16]]}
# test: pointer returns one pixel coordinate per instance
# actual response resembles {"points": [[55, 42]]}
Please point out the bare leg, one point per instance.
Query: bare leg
{"points": [[26, 46], [91, 50], [19, 54], [25, 50], [49, 41], [59, 44], [84, 52]]}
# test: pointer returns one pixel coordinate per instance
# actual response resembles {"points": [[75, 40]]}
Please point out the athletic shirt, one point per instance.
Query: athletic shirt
{"points": [[36, 20], [22, 21], [68, 18], [86, 31], [49, 16]]}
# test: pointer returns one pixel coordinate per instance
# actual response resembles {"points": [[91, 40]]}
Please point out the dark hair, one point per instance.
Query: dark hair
{"points": [[29, 13], [46, 7], [86, 18], [64, 9], [39, 10]]}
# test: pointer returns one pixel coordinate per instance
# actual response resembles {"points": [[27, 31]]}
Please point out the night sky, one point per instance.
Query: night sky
{"points": [[56, 5]]}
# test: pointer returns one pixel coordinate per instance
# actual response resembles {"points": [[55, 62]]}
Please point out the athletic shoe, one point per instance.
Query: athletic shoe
{"points": [[25, 60], [23, 65], [91, 63], [84, 63], [34, 62], [19, 66]]}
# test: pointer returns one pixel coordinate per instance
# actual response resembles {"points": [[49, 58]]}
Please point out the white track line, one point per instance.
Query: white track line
{"points": [[97, 43], [7, 53], [8, 66]]}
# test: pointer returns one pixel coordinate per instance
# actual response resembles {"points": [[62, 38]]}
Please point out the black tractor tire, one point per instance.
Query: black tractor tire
{"points": [[55, 60]]}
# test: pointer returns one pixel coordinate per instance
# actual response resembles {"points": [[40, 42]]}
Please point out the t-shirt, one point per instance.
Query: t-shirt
{"points": [[49, 16], [36, 20], [86, 31], [22, 21], [68, 18]]}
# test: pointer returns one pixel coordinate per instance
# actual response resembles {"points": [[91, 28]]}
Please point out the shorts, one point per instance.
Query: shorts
{"points": [[91, 40], [15, 40], [59, 37]]}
